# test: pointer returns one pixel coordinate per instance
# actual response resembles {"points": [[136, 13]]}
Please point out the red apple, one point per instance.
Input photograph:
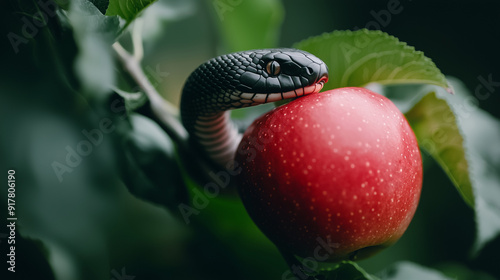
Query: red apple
{"points": [[341, 166]]}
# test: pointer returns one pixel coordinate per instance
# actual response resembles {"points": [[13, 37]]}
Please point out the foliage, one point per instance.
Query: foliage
{"points": [[362, 57]]}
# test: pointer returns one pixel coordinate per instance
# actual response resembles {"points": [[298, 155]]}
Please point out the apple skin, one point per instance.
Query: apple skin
{"points": [[341, 165]]}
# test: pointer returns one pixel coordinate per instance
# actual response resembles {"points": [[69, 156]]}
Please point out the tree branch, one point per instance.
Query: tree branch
{"points": [[163, 110]]}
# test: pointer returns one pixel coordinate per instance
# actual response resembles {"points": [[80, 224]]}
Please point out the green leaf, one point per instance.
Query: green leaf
{"points": [[411, 271], [248, 24], [357, 58], [481, 133], [94, 34], [127, 9], [347, 270], [464, 141], [435, 126]]}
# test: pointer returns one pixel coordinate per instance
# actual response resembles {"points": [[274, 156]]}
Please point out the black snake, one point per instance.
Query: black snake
{"points": [[240, 80]]}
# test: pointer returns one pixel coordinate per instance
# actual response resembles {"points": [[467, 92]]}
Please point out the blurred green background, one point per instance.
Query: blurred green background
{"points": [[91, 227]]}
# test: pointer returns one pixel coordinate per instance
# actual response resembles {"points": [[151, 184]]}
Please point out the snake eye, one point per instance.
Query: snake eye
{"points": [[273, 68]]}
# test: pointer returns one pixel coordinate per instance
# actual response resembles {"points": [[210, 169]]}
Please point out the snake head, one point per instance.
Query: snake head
{"points": [[239, 80], [274, 74]]}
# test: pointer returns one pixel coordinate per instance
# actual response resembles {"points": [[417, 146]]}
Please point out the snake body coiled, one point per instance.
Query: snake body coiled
{"points": [[240, 80]]}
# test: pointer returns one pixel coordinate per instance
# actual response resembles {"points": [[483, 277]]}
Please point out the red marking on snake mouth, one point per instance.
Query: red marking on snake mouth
{"points": [[313, 88]]}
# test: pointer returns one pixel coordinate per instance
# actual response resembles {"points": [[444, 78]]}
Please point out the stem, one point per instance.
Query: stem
{"points": [[137, 39], [163, 110], [165, 115]]}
